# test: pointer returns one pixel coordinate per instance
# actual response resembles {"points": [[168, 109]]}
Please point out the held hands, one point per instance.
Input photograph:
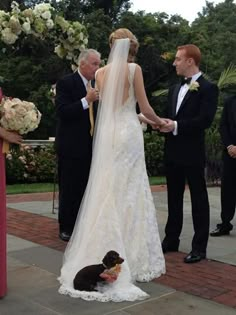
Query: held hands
{"points": [[165, 125], [92, 95], [232, 151]]}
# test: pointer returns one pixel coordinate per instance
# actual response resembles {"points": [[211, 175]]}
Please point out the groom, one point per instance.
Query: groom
{"points": [[191, 108]]}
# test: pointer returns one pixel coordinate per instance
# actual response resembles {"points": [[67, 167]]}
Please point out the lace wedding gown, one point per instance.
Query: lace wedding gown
{"points": [[120, 216]]}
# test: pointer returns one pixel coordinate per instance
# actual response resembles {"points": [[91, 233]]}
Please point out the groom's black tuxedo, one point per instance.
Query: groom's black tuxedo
{"points": [[185, 160], [73, 147]]}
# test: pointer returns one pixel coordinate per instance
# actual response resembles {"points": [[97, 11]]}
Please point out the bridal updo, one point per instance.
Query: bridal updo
{"points": [[125, 33]]}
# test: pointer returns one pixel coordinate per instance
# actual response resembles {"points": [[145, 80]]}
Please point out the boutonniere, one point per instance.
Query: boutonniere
{"points": [[194, 86]]}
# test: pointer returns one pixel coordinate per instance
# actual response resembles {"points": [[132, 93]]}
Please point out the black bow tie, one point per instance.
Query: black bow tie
{"points": [[186, 81]]}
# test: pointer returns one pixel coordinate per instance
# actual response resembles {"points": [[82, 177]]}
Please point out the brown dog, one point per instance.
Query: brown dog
{"points": [[87, 278]]}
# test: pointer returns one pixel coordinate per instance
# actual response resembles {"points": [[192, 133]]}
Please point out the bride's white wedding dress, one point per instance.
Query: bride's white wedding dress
{"points": [[120, 215]]}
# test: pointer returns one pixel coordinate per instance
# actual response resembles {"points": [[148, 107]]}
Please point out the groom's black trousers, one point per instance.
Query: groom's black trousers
{"points": [[72, 179], [177, 176]]}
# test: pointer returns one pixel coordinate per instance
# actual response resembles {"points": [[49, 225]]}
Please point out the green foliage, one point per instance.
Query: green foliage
{"points": [[227, 77], [214, 150], [30, 78], [154, 144], [26, 164], [214, 32]]}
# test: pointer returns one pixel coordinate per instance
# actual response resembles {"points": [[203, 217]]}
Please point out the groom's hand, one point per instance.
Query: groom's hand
{"points": [[169, 125]]}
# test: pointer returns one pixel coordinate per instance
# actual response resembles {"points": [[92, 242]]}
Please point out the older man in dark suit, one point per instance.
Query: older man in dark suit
{"points": [[191, 108], [228, 179], [74, 97]]}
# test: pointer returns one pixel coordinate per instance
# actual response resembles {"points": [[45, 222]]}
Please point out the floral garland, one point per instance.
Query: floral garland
{"points": [[42, 22]]}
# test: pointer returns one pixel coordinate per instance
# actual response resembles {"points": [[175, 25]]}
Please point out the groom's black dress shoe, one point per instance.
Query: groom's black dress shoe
{"points": [[64, 236], [193, 257]]}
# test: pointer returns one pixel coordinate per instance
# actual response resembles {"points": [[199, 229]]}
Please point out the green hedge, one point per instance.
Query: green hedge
{"points": [[154, 151], [27, 164]]}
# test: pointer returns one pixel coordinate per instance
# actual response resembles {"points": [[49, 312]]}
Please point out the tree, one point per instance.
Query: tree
{"points": [[5, 5], [214, 32], [157, 34]]}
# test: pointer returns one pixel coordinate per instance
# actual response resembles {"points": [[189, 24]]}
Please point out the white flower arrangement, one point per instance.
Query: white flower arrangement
{"points": [[194, 86], [19, 116], [42, 21]]}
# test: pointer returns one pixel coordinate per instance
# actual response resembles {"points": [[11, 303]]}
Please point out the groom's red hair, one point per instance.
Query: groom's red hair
{"points": [[192, 51]]}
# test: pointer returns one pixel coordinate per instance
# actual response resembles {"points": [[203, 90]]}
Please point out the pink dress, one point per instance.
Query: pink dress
{"points": [[3, 268]]}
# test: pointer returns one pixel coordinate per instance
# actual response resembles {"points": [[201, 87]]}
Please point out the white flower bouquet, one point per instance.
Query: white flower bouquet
{"points": [[19, 116]]}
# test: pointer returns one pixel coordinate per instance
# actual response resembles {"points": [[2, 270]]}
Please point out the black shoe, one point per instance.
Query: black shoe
{"points": [[193, 257], [219, 231], [169, 247], [64, 236]]}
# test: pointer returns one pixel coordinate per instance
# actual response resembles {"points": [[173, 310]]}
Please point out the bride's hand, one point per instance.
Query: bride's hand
{"points": [[160, 124]]}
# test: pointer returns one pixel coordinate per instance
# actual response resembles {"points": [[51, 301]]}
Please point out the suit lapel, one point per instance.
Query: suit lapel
{"points": [[187, 95], [175, 99], [79, 84]]}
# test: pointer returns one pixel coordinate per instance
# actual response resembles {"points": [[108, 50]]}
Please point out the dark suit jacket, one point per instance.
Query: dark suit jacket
{"points": [[73, 137], [194, 116], [228, 122]]}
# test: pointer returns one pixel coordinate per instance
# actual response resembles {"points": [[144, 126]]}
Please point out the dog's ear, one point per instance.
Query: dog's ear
{"points": [[106, 260]]}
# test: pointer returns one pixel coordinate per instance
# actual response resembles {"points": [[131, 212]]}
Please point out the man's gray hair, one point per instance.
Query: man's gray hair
{"points": [[85, 54]]}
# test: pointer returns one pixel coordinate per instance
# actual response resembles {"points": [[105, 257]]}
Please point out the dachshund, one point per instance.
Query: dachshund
{"points": [[87, 278]]}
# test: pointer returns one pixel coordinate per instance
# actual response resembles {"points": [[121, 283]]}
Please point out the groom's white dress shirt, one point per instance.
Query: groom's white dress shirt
{"points": [[182, 92]]}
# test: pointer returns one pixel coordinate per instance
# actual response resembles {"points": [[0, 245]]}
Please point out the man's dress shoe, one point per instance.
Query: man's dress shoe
{"points": [[64, 236], [221, 230], [194, 257]]}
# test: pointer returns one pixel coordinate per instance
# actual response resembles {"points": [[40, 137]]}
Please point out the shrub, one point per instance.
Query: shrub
{"points": [[30, 164], [154, 151], [214, 150]]}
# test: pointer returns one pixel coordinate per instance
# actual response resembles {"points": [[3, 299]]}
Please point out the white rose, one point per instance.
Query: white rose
{"points": [[26, 27], [50, 24], [46, 15], [8, 37]]}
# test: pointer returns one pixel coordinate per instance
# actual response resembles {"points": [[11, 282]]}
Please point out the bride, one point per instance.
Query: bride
{"points": [[117, 211]]}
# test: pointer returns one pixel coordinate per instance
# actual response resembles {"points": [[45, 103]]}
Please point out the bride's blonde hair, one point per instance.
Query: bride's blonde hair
{"points": [[125, 33]]}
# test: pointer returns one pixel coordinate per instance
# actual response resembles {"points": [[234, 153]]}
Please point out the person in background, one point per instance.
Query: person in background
{"points": [[73, 137], [228, 178]]}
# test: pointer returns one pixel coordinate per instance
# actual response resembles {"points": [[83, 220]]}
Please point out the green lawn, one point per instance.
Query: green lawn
{"points": [[48, 187], [157, 180], [29, 188]]}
